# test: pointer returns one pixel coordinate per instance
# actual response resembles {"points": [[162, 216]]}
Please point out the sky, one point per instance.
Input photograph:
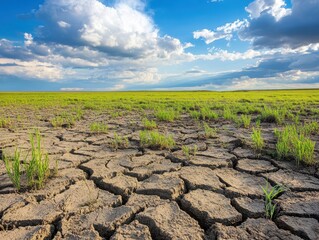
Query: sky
{"points": [[122, 45]]}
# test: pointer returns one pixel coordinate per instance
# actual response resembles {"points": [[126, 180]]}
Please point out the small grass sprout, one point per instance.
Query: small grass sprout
{"points": [[119, 142], [64, 120], [156, 140], [207, 114], [309, 128], [270, 193], [245, 120], [37, 168], [98, 127], [257, 139], [209, 132], [304, 150], [195, 114], [13, 166], [166, 115], [292, 142], [189, 151], [149, 124], [5, 122], [273, 115]]}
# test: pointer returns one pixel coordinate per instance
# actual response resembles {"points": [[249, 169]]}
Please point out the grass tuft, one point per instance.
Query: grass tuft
{"points": [[245, 120], [5, 122], [292, 142], [37, 168], [98, 127], [209, 132], [270, 193], [13, 169], [149, 124], [119, 142], [258, 140], [189, 151], [156, 140], [166, 115]]}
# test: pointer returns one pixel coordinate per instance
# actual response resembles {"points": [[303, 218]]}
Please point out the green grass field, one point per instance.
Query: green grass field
{"points": [[252, 110]]}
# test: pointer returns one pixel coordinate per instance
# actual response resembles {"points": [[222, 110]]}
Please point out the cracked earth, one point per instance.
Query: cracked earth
{"points": [[136, 193]]}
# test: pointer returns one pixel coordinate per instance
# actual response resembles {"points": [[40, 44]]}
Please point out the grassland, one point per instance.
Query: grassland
{"points": [[298, 108], [222, 150]]}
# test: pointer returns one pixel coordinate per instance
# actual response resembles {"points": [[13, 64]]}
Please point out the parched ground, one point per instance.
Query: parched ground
{"points": [[138, 193]]}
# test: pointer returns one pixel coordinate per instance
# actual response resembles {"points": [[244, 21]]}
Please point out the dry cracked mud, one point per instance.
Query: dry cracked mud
{"points": [[141, 193]]}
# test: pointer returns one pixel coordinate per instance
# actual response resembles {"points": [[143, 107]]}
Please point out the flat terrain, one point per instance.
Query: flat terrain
{"points": [[206, 182]]}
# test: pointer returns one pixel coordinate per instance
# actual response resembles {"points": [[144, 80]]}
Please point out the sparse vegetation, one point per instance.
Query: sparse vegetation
{"points": [[149, 124], [245, 120], [119, 142], [292, 142], [98, 127], [207, 114], [35, 167], [166, 115], [257, 139], [13, 168], [209, 132], [303, 150], [139, 150], [189, 151], [273, 115], [156, 140], [5, 122], [270, 193]]}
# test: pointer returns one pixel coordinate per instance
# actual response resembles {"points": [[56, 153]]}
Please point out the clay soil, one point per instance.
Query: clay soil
{"points": [[140, 193]]}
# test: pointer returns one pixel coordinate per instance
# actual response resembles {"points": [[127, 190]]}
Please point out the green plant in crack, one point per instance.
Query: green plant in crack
{"points": [[13, 167], [270, 193], [98, 127], [257, 139], [149, 124], [245, 120], [209, 132], [292, 142], [5, 122], [189, 151], [119, 142], [37, 168], [156, 140]]}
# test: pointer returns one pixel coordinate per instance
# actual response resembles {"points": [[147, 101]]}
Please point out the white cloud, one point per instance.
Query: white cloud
{"points": [[120, 30], [86, 39], [117, 87], [272, 25], [223, 32], [28, 39], [71, 89], [275, 8], [31, 69], [63, 24]]}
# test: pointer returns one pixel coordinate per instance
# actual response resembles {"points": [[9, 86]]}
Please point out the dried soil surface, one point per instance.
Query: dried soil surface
{"points": [[139, 193]]}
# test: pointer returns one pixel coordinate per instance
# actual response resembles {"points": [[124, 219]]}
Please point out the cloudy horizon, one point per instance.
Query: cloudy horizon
{"points": [[119, 45]]}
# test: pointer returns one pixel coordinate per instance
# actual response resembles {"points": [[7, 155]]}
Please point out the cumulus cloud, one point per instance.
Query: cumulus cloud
{"points": [[272, 25], [30, 69], [91, 40], [275, 8], [223, 32], [120, 30]]}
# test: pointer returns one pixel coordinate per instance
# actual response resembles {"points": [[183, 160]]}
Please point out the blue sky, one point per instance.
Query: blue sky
{"points": [[111, 45]]}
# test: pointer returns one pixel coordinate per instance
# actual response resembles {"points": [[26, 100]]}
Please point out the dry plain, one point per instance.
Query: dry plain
{"points": [[170, 165]]}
